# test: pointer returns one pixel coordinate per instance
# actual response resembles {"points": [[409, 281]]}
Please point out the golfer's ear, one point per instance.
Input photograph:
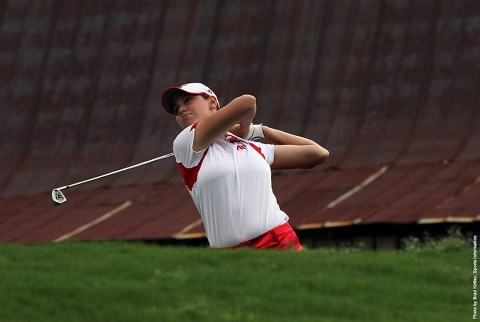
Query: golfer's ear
{"points": [[212, 104]]}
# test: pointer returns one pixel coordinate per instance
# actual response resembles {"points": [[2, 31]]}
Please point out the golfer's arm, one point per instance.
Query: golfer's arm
{"points": [[240, 110], [293, 151]]}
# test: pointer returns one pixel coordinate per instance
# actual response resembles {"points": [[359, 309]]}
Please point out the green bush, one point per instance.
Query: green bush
{"points": [[453, 241]]}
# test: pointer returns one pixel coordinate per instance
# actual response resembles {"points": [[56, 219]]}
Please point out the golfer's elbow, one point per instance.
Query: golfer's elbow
{"points": [[317, 155], [249, 103]]}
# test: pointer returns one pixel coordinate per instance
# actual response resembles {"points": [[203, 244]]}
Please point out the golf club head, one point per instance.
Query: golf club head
{"points": [[58, 197]]}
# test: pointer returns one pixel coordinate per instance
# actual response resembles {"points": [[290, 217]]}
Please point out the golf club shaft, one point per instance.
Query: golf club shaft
{"points": [[116, 171]]}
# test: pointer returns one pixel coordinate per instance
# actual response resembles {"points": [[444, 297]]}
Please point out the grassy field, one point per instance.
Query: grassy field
{"points": [[115, 281]]}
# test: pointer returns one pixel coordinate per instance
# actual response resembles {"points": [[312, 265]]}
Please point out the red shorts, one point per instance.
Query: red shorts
{"points": [[280, 237]]}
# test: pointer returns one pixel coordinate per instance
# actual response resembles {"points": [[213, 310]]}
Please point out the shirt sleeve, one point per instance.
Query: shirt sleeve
{"points": [[183, 148], [267, 150]]}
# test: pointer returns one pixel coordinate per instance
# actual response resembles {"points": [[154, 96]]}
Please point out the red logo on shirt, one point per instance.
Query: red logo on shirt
{"points": [[241, 147]]}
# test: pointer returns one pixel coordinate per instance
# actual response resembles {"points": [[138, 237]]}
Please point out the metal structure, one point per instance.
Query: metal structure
{"points": [[391, 88]]}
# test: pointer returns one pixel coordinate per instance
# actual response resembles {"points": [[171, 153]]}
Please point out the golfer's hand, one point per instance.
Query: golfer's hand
{"points": [[240, 132], [254, 133]]}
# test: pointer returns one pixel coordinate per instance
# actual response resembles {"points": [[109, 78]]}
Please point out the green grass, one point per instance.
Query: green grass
{"points": [[116, 281]]}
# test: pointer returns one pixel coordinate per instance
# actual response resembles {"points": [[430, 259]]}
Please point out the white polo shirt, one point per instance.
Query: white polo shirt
{"points": [[231, 186]]}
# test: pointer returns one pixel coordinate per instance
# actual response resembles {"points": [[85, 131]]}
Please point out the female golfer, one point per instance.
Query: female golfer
{"points": [[229, 176]]}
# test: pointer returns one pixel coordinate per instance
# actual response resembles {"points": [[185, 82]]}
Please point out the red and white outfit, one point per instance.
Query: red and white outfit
{"points": [[230, 184]]}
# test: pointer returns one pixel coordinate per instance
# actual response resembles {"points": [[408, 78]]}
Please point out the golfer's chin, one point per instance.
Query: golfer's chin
{"points": [[186, 122]]}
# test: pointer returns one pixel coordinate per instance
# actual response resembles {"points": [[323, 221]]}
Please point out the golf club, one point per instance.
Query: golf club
{"points": [[59, 198]]}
